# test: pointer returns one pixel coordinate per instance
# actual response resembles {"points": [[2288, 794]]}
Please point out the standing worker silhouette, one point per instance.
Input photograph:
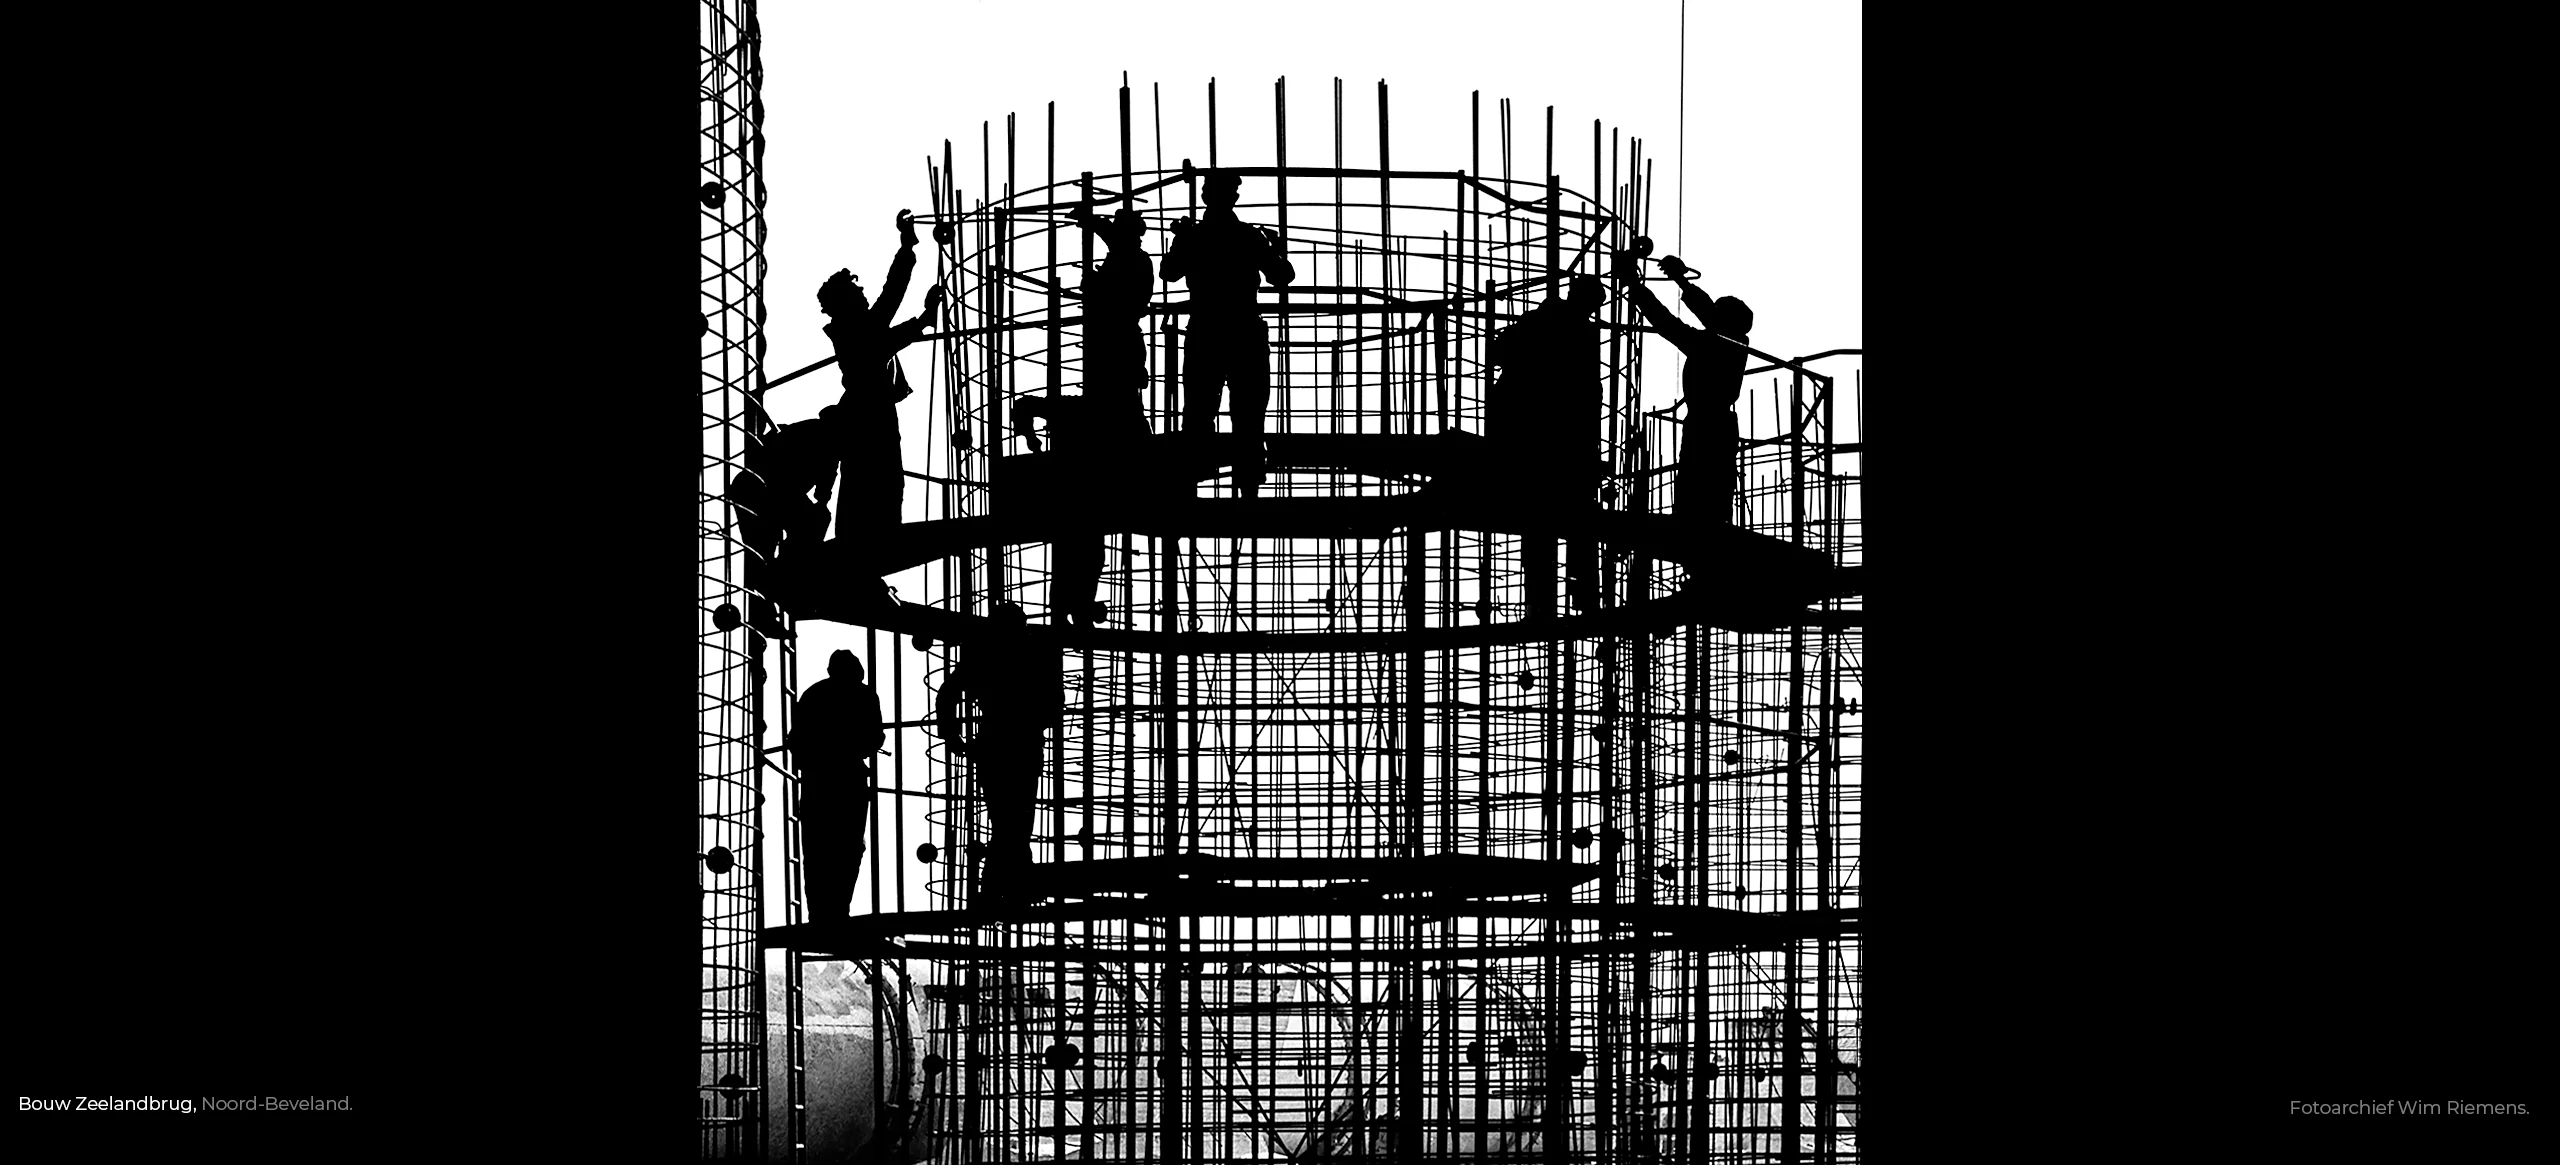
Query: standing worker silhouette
{"points": [[1541, 419], [1223, 259], [835, 734], [1115, 342], [1709, 385], [1098, 433], [867, 345], [1015, 684]]}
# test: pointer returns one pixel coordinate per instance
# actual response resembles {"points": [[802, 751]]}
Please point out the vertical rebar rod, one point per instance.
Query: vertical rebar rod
{"points": [[1057, 332], [733, 1100], [1280, 147]]}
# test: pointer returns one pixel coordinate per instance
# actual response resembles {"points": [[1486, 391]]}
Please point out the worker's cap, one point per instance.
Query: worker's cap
{"points": [[1225, 180], [1733, 316]]}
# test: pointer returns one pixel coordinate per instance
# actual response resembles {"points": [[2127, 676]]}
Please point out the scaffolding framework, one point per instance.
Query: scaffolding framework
{"points": [[1423, 840], [730, 723]]}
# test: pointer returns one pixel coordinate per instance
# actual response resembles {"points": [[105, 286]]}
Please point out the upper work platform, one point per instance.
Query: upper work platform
{"points": [[1737, 579]]}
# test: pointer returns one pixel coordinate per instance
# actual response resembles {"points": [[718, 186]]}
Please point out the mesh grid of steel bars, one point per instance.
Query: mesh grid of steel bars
{"points": [[1698, 768], [730, 721]]}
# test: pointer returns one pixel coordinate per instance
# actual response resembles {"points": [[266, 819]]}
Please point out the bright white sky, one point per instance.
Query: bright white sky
{"points": [[857, 96]]}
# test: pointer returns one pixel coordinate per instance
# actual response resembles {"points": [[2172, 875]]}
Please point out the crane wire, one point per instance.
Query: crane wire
{"points": [[1680, 184]]}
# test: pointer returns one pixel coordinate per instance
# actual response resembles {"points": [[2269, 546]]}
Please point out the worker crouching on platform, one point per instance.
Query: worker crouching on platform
{"points": [[776, 514], [1015, 684], [835, 739]]}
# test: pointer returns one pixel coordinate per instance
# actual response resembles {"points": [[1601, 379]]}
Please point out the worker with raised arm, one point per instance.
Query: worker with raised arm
{"points": [[1115, 311], [1224, 260], [867, 343], [1096, 435], [1709, 385]]}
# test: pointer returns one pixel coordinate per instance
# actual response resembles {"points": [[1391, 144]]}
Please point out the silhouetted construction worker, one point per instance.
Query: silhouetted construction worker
{"points": [[775, 512], [1541, 419], [835, 737], [867, 346], [1016, 687], [1096, 459], [1224, 259], [1542, 413], [1095, 436], [1115, 341], [1709, 385]]}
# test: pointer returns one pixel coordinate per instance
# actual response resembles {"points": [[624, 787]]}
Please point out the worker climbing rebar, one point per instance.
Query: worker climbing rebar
{"points": [[1224, 259], [835, 735], [1097, 463], [867, 345], [1709, 384]]}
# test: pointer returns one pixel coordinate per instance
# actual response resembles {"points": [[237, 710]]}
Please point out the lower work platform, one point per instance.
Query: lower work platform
{"points": [[1151, 891]]}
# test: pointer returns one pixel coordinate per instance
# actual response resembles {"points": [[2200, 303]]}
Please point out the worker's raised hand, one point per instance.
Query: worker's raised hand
{"points": [[933, 297], [906, 228], [1677, 270]]}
